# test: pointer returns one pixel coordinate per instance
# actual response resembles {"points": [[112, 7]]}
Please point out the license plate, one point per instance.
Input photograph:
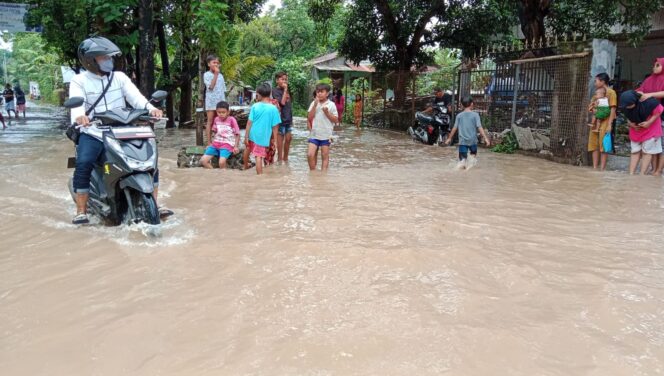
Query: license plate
{"points": [[133, 133]]}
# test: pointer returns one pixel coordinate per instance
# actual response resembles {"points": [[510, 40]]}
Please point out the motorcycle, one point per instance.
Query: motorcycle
{"points": [[432, 129], [121, 187]]}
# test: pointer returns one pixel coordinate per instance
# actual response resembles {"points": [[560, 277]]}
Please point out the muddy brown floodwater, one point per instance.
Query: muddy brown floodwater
{"points": [[393, 263]]}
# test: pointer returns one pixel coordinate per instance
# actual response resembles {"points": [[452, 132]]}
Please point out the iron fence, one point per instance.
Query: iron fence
{"points": [[544, 98]]}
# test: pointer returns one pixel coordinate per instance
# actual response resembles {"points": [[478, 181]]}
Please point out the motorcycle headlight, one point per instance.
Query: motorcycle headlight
{"points": [[132, 163], [140, 165]]}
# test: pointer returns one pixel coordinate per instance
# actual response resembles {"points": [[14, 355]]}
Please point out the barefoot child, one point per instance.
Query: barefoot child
{"points": [[215, 87], [261, 126], [599, 106], [226, 140], [322, 116], [467, 123], [357, 110], [282, 95]]}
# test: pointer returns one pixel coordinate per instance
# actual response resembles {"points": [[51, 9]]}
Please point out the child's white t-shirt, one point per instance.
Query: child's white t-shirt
{"points": [[602, 102], [322, 127]]}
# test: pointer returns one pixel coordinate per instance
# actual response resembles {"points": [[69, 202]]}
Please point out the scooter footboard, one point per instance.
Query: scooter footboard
{"points": [[142, 182]]}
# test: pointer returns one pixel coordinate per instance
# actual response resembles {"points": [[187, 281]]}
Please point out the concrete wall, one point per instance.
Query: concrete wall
{"points": [[636, 62]]}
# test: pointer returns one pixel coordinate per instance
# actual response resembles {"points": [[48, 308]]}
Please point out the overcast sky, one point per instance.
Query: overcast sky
{"points": [[276, 3]]}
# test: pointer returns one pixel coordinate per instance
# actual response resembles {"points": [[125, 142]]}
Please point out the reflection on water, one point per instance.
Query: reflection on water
{"points": [[392, 263]]}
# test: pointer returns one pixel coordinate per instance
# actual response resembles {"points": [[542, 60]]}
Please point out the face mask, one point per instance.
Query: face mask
{"points": [[106, 66]]}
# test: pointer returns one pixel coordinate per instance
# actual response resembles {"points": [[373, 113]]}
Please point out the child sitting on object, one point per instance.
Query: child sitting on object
{"points": [[226, 137]]}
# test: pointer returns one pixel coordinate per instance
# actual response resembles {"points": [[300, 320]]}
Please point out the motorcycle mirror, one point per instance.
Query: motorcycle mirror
{"points": [[159, 95], [74, 102]]}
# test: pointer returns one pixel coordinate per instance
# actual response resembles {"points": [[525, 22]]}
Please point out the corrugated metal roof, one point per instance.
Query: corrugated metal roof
{"points": [[323, 58], [334, 67], [362, 68]]}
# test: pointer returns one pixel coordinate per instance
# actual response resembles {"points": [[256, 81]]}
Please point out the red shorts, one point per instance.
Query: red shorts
{"points": [[257, 150]]}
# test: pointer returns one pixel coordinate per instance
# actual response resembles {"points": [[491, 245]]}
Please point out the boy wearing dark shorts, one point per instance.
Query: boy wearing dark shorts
{"points": [[467, 123]]}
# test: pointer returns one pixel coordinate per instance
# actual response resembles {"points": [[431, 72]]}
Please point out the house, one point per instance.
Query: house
{"points": [[339, 69], [633, 63]]}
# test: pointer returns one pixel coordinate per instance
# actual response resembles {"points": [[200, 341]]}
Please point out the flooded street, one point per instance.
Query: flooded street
{"points": [[392, 263]]}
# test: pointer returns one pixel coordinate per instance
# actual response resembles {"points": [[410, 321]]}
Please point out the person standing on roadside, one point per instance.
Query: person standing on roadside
{"points": [[215, 90], [8, 94], [20, 100], [653, 87], [340, 104], [595, 144]]}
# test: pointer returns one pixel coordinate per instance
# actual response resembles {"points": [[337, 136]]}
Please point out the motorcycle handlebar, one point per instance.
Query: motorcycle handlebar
{"points": [[151, 118]]}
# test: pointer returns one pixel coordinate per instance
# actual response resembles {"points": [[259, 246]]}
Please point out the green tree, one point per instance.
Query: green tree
{"points": [[396, 35], [298, 31], [259, 37], [591, 17], [31, 60]]}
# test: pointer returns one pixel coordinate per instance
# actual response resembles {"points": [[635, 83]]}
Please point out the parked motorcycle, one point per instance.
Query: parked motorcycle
{"points": [[121, 187], [433, 128]]}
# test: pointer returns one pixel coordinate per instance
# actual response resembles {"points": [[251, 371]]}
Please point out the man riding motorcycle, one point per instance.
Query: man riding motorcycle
{"points": [[96, 56], [445, 98]]}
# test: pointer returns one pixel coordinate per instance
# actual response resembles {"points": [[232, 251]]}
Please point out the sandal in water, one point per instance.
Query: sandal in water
{"points": [[80, 219], [164, 212]]}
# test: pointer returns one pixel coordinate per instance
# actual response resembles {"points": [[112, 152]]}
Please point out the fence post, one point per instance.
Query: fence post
{"points": [[517, 72], [456, 105], [413, 95]]}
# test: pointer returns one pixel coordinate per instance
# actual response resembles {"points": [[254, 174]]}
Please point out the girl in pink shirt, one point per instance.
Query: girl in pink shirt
{"points": [[645, 129], [224, 137]]}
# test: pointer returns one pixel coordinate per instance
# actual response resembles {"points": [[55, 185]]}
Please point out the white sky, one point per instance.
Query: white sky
{"points": [[276, 3]]}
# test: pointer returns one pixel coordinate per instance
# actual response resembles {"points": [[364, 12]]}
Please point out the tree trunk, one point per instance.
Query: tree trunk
{"points": [[146, 46], [200, 115], [531, 16], [186, 101], [170, 113], [403, 73]]}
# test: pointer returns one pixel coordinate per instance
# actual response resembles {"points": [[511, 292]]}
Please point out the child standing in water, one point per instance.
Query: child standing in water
{"points": [[357, 110], [467, 123], [261, 128], [600, 108], [322, 116], [226, 140]]}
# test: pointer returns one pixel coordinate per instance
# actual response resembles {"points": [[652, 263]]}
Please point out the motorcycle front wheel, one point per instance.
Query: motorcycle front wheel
{"points": [[442, 139], [144, 208]]}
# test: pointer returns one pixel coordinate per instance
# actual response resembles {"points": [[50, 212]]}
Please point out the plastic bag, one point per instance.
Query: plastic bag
{"points": [[607, 145]]}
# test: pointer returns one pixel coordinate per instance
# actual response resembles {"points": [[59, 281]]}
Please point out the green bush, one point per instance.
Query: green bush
{"points": [[508, 146]]}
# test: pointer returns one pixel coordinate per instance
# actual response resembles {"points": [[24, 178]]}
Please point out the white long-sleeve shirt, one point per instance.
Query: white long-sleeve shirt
{"points": [[90, 86]]}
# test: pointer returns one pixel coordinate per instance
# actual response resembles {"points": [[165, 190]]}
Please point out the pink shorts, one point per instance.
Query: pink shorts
{"points": [[257, 150], [20, 108]]}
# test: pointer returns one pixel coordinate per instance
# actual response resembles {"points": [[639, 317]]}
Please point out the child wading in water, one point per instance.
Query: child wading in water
{"points": [[261, 128], [467, 123], [226, 140], [600, 109], [322, 116], [357, 110], [645, 129]]}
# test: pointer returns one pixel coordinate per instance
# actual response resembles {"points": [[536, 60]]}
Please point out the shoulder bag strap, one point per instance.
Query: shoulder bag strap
{"points": [[103, 93]]}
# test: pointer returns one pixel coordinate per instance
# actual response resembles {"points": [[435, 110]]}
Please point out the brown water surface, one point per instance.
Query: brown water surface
{"points": [[392, 263]]}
